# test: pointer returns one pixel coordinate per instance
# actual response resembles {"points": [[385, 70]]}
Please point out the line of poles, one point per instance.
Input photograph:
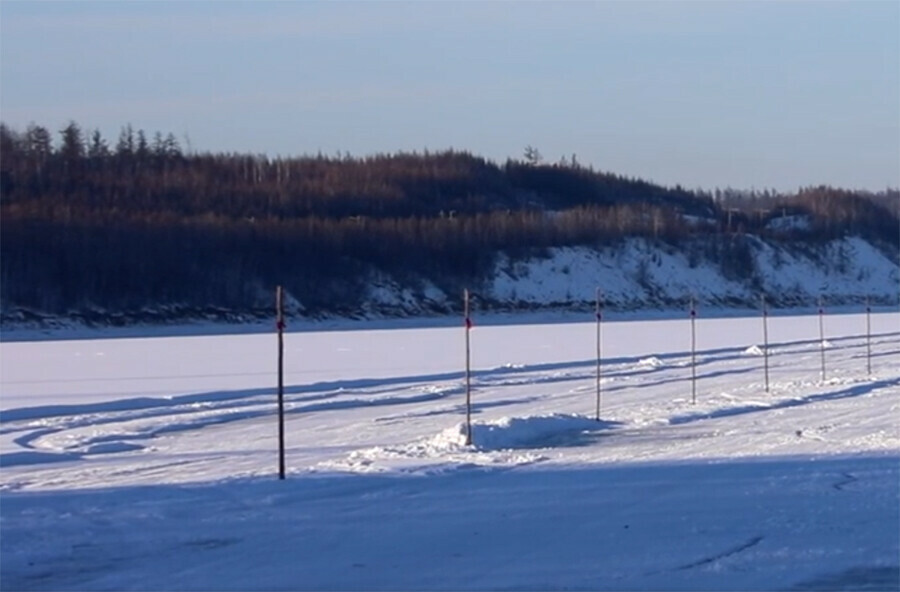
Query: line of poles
{"points": [[598, 313]]}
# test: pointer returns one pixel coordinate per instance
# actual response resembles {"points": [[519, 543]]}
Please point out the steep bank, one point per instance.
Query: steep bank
{"points": [[644, 274], [633, 275]]}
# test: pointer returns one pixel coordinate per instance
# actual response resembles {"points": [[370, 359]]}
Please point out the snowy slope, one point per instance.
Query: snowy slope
{"points": [[846, 270], [150, 463], [639, 274], [634, 275]]}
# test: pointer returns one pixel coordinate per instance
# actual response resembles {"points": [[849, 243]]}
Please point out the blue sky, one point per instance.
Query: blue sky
{"points": [[704, 94]]}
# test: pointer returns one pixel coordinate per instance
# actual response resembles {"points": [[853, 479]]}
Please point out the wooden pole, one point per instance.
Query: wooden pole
{"points": [[279, 305], [693, 352], [765, 317], [868, 337], [822, 335], [468, 322], [599, 315]]}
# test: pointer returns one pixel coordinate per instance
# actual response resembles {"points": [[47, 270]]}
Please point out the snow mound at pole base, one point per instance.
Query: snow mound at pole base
{"points": [[651, 362], [754, 350], [537, 431], [509, 441]]}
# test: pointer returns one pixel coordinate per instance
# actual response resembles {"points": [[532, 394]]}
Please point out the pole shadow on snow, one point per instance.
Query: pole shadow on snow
{"points": [[328, 400], [144, 408], [849, 392], [886, 354], [334, 388], [459, 409], [342, 395], [333, 399]]}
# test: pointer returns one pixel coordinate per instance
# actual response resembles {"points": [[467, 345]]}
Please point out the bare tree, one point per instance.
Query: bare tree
{"points": [[533, 155]]}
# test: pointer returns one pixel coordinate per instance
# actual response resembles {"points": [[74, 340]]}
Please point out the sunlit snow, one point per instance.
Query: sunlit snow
{"points": [[151, 463]]}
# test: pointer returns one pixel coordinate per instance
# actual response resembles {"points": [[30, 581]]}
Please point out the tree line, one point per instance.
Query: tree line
{"points": [[142, 222]]}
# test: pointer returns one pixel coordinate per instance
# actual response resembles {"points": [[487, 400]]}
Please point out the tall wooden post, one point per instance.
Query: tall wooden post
{"points": [[822, 335], [468, 323], [868, 337], [599, 315], [279, 306], [693, 352], [765, 318]]}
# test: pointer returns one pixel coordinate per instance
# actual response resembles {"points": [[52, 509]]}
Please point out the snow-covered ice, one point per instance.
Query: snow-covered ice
{"points": [[150, 463]]}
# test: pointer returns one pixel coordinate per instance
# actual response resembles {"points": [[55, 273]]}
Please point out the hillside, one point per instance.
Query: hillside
{"points": [[144, 232], [633, 275], [639, 274], [644, 274]]}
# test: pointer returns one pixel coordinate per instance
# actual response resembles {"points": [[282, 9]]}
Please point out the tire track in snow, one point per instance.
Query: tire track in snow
{"points": [[852, 391], [723, 555], [847, 480], [44, 444], [708, 356]]}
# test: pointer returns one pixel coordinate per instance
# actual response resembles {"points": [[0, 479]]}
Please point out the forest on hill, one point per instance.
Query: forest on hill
{"points": [[86, 224]]}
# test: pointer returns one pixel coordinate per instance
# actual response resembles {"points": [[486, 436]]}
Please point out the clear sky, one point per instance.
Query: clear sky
{"points": [[705, 94]]}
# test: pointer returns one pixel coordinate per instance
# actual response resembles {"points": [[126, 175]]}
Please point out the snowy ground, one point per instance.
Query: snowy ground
{"points": [[151, 463]]}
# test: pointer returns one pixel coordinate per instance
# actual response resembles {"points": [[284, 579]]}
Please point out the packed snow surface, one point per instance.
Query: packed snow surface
{"points": [[151, 463]]}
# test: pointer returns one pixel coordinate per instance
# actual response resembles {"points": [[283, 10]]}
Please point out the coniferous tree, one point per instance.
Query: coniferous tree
{"points": [[148, 224]]}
